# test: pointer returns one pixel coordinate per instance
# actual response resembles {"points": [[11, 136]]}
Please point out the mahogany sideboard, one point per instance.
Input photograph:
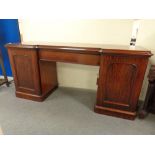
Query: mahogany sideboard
{"points": [[121, 73]]}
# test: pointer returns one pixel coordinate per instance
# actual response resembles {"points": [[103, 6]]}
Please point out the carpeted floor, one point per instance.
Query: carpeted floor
{"points": [[66, 111]]}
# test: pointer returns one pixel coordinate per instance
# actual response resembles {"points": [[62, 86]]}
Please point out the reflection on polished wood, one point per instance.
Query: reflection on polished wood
{"points": [[121, 72]]}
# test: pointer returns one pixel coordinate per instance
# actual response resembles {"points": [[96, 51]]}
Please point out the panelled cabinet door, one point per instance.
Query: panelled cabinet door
{"points": [[120, 81], [25, 70]]}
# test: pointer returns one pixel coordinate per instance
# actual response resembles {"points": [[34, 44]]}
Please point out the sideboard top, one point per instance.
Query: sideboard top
{"points": [[106, 48]]}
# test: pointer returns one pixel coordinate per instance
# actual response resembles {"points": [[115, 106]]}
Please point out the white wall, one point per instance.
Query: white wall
{"points": [[146, 38], [82, 31], [86, 31]]}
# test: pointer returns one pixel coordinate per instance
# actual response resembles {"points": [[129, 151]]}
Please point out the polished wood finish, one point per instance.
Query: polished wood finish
{"points": [[24, 64], [120, 84], [83, 47], [61, 56], [149, 103], [120, 78], [26, 72], [48, 74]]}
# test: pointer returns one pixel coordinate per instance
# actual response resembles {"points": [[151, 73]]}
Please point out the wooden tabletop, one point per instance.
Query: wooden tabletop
{"points": [[106, 48]]}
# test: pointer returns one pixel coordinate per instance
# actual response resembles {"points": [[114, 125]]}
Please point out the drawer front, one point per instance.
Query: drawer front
{"points": [[70, 57], [24, 65]]}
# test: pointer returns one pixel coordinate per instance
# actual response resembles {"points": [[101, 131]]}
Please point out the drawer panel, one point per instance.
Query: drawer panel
{"points": [[78, 58]]}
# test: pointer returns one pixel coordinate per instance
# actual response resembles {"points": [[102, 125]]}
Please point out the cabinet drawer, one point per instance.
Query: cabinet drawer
{"points": [[70, 57]]}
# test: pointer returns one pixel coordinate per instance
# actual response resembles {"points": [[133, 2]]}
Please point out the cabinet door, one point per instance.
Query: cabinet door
{"points": [[25, 70], [120, 81]]}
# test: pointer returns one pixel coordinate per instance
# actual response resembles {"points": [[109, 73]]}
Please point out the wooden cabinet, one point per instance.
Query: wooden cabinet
{"points": [[34, 79], [24, 64], [120, 78], [119, 84]]}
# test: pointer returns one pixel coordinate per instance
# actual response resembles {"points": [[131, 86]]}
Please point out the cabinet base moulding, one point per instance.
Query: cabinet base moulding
{"points": [[115, 112], [35, 97]]}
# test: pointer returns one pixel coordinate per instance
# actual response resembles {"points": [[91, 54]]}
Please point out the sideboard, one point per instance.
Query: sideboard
{"points": [[121, 72]]}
